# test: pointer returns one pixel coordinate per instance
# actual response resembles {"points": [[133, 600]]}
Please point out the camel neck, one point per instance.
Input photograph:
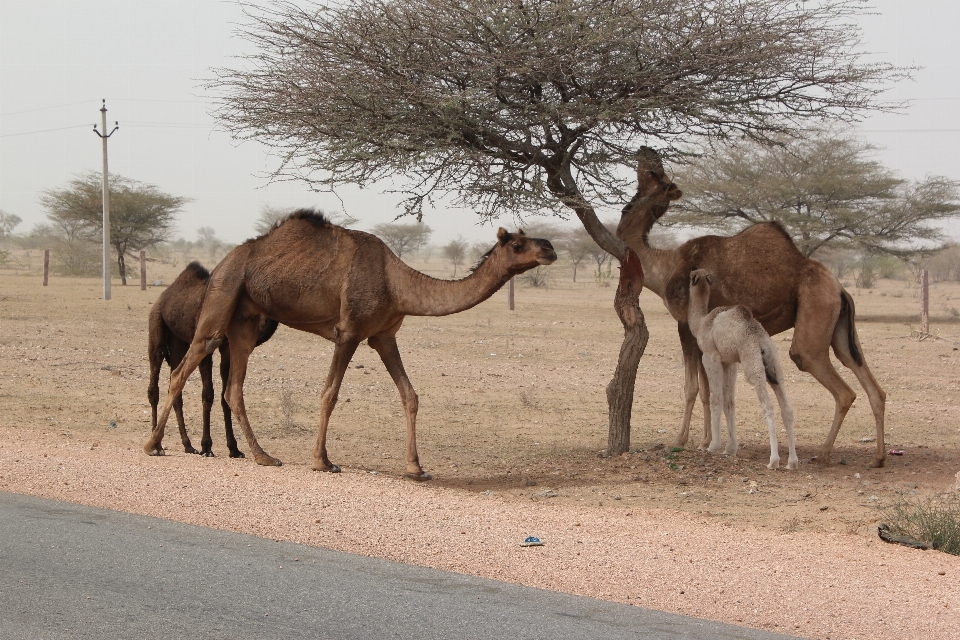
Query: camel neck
{"points": [[418, 294], [658, 264]]}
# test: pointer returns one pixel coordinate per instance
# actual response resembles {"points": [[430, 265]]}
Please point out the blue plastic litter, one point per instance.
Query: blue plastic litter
{"points": [[531, 541]]}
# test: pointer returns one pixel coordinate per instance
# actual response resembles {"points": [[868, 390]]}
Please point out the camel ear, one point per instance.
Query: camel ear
{"points": [[521, 233], [694, 278], [503, 236], [709, 279]]}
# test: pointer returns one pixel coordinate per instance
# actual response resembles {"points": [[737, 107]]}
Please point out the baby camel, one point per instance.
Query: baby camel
{"points": [[726, 336]]}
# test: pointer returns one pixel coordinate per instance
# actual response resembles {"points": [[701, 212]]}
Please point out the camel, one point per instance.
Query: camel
{"points": [[761, 269], [727, 336], [343, 285], [172, 321]]}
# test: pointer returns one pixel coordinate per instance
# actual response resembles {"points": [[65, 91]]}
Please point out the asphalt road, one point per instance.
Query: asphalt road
{"points": [[69, 571]]}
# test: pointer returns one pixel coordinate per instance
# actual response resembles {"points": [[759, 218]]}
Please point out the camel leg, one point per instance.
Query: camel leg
{"points": [[227, 416], [178, 378], [714, 370], [820, 367], [692, 377], [754, 371], [342, 353], [177, 351], [730, 407], [242, 338], [876, 395], [786, 413], [206, 378], [386, 346]]}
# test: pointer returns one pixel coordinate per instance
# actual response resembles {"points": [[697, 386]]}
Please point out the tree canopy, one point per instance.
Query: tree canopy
{"points": [[141, 215], [536, 104], [826, 190]]}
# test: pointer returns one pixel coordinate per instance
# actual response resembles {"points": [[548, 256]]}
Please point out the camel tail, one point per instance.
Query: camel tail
{"points": [[769, 365], [157, 338], [847, 314]]}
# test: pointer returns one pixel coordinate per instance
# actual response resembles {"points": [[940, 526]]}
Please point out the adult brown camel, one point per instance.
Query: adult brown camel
{"points": [[762, 269], [172, 321], [345, 286]]}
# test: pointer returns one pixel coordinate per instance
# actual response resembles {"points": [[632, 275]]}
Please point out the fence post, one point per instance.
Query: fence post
{"points": [[143, 270], [510, 294], [46, 266], [924, 302]]}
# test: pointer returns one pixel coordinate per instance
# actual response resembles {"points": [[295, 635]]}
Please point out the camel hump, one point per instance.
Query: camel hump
{"points": [[196, 270]]}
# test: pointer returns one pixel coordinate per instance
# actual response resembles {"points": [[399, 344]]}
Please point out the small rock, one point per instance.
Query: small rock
{"points": [[531, 483], [112, 425]]}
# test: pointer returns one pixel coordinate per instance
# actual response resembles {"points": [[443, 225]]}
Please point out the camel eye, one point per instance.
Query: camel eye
{"points": [[517, 247]]}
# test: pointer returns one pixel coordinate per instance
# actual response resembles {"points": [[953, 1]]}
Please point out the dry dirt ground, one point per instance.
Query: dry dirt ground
{"points": [[512, 420]]}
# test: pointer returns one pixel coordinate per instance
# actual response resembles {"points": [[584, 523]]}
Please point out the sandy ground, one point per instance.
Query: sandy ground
{"points": [[511, 422]]}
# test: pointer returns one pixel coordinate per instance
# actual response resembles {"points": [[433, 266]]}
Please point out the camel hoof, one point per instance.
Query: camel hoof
{"points": [[207, 454], [423, 476], [773, 465], [821, 460], [331, 469], [793, 465], [156, 451], [190, 450], [877, 463], [268, 461], [237, 454]]}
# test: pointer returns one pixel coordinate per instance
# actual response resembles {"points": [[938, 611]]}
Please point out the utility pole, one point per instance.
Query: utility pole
{"points": [[106, 199]]}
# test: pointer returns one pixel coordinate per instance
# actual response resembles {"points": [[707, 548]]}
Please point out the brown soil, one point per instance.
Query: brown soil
{"points": [[512, 422]]}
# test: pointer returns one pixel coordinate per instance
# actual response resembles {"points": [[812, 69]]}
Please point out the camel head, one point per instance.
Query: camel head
{"points": [[517, 252], [654, 193], [700, 282]]}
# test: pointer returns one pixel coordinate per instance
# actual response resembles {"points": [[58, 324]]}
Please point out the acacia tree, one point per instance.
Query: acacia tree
{"points": [[535, 105], [141, 215], [403, 237], [826, 190], [455, 251]]}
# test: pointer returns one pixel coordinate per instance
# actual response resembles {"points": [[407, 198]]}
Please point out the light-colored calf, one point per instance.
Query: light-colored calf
{"points": [[727, 336]]}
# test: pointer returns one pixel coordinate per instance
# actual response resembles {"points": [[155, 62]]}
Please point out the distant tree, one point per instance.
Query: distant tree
{"points": [[825, 189], [455, 251], [140, 214], [8, 221], [578, 245], [403, 237], [207, 235]]}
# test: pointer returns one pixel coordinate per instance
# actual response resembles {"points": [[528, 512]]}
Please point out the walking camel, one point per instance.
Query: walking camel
{"points": [[172, 321], [345, 286], [728, 336], [761, 269]]}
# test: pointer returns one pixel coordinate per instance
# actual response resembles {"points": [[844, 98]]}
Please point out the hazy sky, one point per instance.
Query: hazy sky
{"points": [[148, 58]]}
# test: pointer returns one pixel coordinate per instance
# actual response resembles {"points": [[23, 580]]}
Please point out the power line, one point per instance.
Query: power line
{"points": [[909, 130], [27, 133], [58, 106]]}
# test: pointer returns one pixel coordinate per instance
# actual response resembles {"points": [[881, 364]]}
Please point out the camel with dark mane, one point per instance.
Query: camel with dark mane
{"points": [[172, 322], [761, 269], [341, 284]]}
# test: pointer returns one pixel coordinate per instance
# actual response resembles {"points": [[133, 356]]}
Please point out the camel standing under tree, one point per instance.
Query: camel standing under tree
{"points": [[761, 269], [727, 336], [345, 286], [172, 322]]}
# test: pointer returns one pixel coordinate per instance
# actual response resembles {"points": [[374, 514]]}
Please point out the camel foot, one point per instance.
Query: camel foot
{"points": [[207, 454], [714, 450], [154, 451], [823, 459], [423, 476], [328, 468], [793, 465], [267, 461], [237, 454], [190, 449], [876, 463]]}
